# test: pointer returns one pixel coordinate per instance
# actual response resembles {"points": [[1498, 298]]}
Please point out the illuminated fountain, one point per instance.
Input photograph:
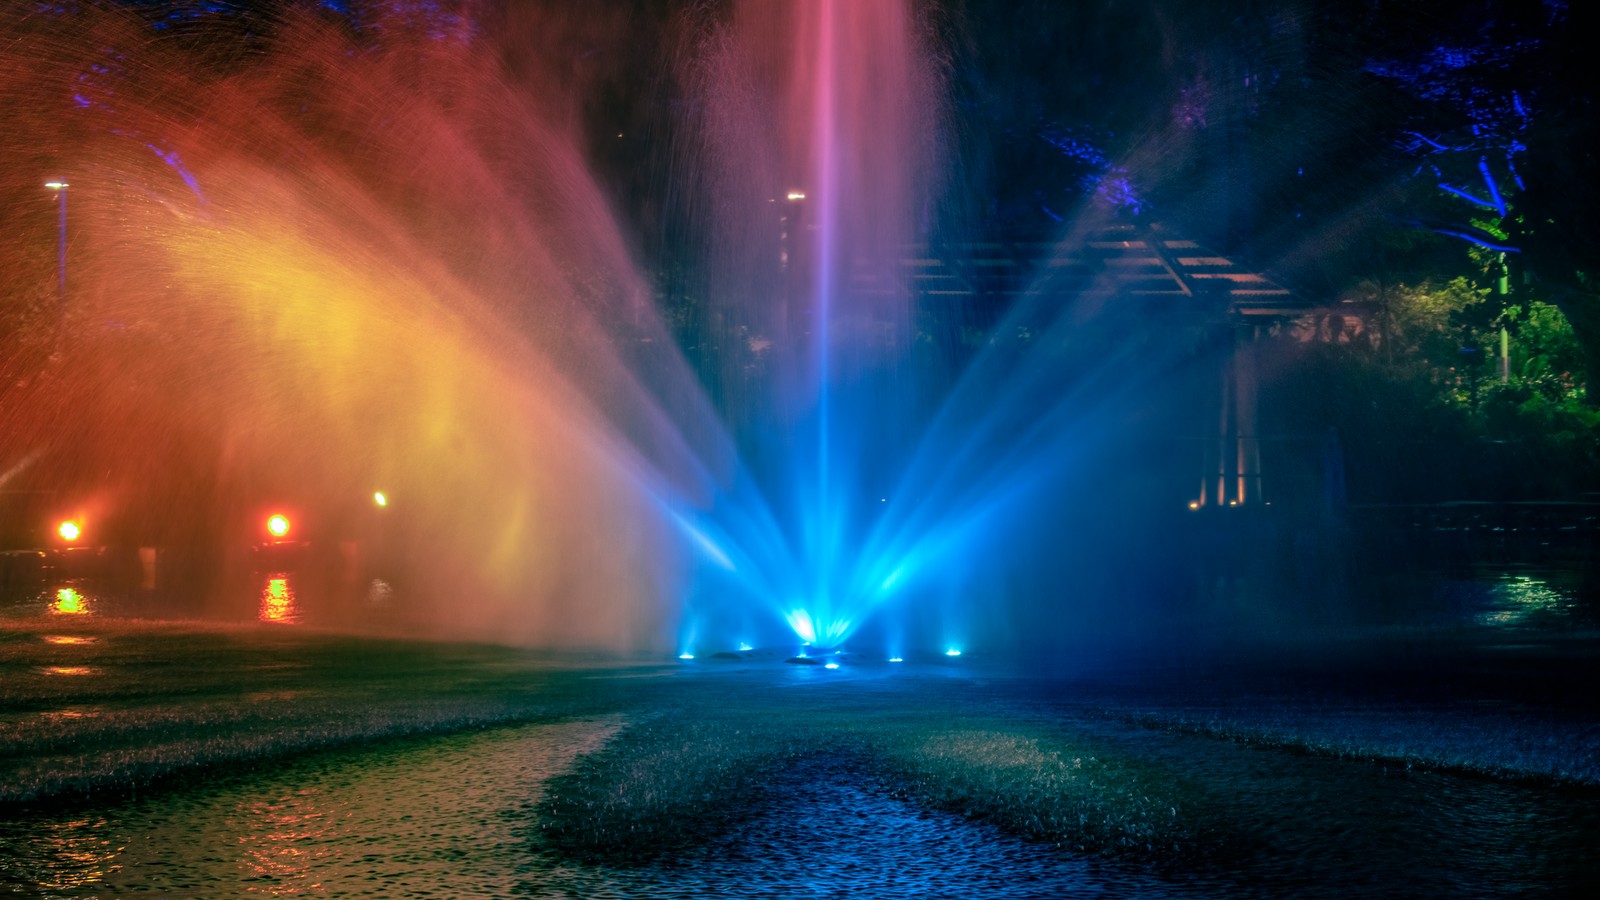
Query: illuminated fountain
{"points": [[889, 495], [320, 276], [343, 267], [819, 149]]}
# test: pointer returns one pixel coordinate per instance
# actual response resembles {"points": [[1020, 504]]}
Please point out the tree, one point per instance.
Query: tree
{"points": [[1503, 124]]}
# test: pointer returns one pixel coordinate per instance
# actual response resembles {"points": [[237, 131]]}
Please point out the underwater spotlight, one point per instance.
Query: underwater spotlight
{"points": [[832, 665], [686, 656], [277, 525], [744, 647], [896, 659], [952, 652], [69, 530]]}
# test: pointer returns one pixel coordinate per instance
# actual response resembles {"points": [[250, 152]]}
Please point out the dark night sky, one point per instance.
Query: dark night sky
{"points": [[1259, 125], [1264, 128]]}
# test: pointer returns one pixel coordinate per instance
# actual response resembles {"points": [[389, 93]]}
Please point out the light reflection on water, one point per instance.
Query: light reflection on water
{"points": [[278, 602], [80, 852], [285, 594], [455, 817], [63, 715], [1523, 600], [286, 839], [443, 818], [70, 602], [69, 670]]}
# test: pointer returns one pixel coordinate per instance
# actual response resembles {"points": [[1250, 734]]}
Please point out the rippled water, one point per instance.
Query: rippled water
{"points": [[457, 816], [1524, 599], [1305, 776], [97, 586], [444, 817], [1316, 826], [453, 817], [820, 833]]}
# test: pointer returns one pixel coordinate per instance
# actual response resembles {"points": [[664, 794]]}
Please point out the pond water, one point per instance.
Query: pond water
{"points": [[438, 818], [454, 816], [1373, 773], [458, 816]]}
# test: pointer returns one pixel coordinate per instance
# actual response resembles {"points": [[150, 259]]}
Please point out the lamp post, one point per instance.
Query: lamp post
{"points": [[60, 187]]}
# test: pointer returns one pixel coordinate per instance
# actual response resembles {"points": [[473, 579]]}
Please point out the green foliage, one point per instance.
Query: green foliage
{"points": [[1418, 396], [1431, 324], [1449, 335]]}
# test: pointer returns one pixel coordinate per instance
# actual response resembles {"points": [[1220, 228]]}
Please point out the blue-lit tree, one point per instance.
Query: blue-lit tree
{"points": [[1503, 128]]}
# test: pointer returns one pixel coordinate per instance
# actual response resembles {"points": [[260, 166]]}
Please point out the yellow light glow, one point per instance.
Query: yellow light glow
{"points": [[69, 530], [55, 185], [379, 499], [69, 603], [67, 639], [69, 670], [277, 526], [1194, 504]]}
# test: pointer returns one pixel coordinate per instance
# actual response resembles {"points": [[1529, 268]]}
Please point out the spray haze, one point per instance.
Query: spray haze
{"points": [[325, 258]]}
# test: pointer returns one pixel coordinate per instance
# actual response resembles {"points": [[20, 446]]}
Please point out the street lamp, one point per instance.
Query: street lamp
{"points": [[60, 187]]}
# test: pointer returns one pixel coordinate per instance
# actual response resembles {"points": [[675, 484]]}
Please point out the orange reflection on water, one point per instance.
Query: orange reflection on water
{"points": [[69, 670], [67, 639], [79, 853], [286, 839], [69, 602], [278, 600], [59, 715]]}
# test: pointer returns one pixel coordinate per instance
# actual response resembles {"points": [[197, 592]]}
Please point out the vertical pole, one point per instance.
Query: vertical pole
{"points": [[60, 188], [61, 246], [1503, 286], [1247, 442], [1223, 410]]}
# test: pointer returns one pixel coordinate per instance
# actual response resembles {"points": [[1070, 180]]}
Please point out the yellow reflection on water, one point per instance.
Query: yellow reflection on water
{"points": [[278, 600], [69, 670], [61, 715], [79, 853], [68, 639], [69, 602]]}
